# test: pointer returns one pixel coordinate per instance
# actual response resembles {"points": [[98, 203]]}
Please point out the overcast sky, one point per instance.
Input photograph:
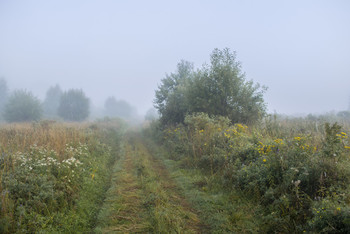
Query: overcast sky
{"points": [[299, 49]]}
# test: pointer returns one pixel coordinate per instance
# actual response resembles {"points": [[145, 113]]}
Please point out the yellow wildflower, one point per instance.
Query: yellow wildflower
{"points": [[342, 135], [279, 141]]}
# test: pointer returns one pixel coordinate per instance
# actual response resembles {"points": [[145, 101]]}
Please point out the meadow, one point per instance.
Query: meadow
{"points": [[54, 175], [282, 175], [206, 175]]}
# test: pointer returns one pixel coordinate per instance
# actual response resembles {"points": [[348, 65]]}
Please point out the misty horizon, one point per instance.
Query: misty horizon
{"points": [[298, 49]]}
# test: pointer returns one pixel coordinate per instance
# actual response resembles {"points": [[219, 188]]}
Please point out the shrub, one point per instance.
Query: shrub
{"points": [[289, 177]]}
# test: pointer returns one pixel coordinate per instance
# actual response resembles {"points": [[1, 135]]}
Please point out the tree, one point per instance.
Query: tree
{"points": [[74, 105], [22, 106], [3, 94], [119, 108], [217, 89], [170, 97], [226, 92], [52, 100]]}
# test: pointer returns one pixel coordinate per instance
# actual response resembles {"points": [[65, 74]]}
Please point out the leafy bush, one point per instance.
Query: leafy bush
{"points": [[289, 177]]}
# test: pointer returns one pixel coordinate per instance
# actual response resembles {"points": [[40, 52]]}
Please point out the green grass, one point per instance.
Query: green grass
{"points": [[268, 178], [143, 198], [55, 187], [220, 210]]}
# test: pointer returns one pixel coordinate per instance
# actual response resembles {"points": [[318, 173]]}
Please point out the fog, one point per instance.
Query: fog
{"points": [[299, 49]]}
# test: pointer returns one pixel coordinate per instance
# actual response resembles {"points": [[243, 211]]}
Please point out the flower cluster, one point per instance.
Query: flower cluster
{"points": [[72, 161], [264, 149], [39, 158], [80, 151], [342, 135]]}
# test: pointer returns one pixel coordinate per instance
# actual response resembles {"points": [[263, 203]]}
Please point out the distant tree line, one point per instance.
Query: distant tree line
{"points": [[23, 106], [70, 105]]}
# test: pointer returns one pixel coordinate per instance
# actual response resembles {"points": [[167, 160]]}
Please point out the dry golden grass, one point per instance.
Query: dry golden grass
{"points": [[51, 135]]}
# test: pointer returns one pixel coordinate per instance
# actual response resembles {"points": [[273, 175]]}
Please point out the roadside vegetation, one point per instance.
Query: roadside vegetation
{"points": [[54, 176], [277, 176], [209, 159]]}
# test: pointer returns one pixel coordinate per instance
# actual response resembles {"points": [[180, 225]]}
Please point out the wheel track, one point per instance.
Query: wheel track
{"points": [[144, 198]]}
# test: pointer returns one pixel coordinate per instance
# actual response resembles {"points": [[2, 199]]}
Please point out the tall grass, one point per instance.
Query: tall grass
{"points": [[54, 175], [55, 136], [293, 168]]}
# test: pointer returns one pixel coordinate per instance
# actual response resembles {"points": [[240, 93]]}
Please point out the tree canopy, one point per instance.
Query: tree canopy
{"points": [[3, 94], [52, 100], [216, 89], [74, 105], [171, 95], [22, 106]]}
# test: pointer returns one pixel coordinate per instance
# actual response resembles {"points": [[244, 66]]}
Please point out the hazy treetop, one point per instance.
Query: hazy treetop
{"points": [[299, 49]]}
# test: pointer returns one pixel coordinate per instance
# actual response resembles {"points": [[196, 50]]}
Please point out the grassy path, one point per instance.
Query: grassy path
{"points": [[143, 197]]}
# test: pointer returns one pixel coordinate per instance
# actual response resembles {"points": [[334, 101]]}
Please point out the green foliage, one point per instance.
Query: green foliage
{"points": [[289, 176], [219, 211], [52, 100], [22, 106], [221, 89], [330, 215], [217, 89], [45, 191], [74, 105], [40, 185], [170, 99]]}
